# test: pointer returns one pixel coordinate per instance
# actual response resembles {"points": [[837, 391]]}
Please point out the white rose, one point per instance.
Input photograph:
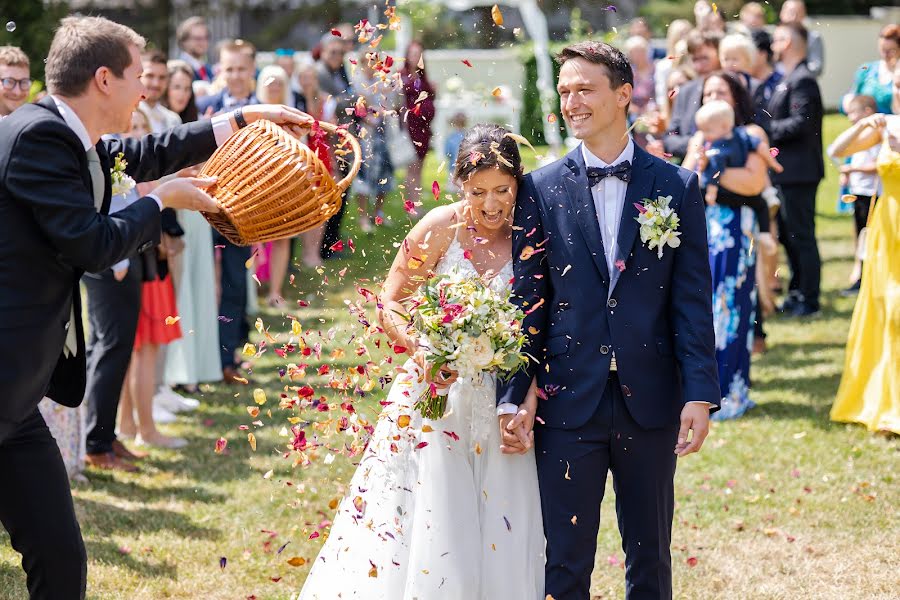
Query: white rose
{"points": [[479, 352]]}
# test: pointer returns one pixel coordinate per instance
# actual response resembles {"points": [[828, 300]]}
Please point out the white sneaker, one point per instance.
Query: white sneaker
{"points": [[173, 402], [161, 415]]}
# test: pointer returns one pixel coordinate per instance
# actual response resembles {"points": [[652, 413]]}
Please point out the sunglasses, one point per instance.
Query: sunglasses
{"points": [[9, 83]]}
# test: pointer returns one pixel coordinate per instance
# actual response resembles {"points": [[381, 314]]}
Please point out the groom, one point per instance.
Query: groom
{"points": [[624, 337], [54, 199]]}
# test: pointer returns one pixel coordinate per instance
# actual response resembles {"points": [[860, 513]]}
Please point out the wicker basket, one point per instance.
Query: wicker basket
{"points": [[271, 186]]}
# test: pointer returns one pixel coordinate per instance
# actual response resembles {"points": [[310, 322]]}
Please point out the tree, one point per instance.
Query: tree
{"points": [[32, 23]]}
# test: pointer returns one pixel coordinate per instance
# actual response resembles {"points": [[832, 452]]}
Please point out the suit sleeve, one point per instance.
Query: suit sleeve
{"points": [[45, 175], [804, 104], [154, 156], [530, 289], [691, 305]]}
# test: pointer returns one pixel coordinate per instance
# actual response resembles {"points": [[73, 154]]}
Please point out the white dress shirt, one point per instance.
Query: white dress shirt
{"points": [[161, 118], [609, 200]]}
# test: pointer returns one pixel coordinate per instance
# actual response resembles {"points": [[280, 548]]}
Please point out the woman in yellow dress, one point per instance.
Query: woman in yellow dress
{"points": [[870, 385]]}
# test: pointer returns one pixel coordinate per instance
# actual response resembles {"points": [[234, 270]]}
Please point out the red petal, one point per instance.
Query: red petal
{"points": [[436, 190]]}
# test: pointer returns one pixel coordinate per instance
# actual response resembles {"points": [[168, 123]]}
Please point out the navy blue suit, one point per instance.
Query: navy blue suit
{"points": [[657, 319]]}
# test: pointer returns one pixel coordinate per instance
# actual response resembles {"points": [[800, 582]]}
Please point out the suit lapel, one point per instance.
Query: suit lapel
{"points": [[107, 178], [582, 201], [638, 190]]}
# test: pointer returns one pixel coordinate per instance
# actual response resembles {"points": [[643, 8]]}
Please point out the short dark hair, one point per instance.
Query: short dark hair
{"points": [[763, 42], [618, 69], [154, 56], [891, 32], [487, 146], [80, 46], [697, 39], [743, 103], [798, 31]]}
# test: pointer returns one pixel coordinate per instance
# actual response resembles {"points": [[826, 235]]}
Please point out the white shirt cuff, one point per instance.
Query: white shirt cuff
{"points": [[122, 264], [507, 408], [222, 127], [708, 404], [156, 198]]}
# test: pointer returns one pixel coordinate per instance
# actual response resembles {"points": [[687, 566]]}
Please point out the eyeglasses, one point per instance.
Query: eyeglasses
{"points": [[9, 83]]}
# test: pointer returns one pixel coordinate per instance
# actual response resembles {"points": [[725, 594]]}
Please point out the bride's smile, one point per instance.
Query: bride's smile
{"points": [[491, 195]]}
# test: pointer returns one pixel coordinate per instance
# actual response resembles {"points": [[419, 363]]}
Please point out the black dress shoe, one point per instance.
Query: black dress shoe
{"points": [[793, 300], [804, 310], [852, 290]]}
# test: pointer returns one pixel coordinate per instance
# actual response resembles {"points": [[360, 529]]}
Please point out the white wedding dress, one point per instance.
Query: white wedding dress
{"points": [[436, 515]]}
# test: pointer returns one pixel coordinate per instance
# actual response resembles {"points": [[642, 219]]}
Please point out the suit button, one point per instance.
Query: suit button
{"points": [[611, 303], [604, 349]]}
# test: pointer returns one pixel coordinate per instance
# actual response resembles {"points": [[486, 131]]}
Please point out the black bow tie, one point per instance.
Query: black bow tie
{"points": [[598, 174]]}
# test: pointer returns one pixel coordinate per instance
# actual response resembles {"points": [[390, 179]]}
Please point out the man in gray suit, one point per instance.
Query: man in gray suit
{"points": [[794, 12]]}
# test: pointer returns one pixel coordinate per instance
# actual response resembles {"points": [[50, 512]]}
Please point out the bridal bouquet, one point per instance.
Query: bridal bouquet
{"points": [[471, 328]]}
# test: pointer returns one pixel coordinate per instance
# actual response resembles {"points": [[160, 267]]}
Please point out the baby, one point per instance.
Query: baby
{"points": [[729, 146]]}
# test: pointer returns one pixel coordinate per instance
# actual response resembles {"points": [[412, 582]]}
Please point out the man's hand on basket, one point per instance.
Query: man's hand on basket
{"points": [[295, 121], [188, 193]]}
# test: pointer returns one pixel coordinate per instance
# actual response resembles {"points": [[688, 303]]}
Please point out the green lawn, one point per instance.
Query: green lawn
{"points": [[780, 504]]}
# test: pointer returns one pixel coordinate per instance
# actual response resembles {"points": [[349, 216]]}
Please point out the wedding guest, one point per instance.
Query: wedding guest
{"points": [[286, 59], [640, 28], [765, 75], [793, 12], [703, 48], [732, 251], [156, 80], [708, 18], [870, 382], [334, 80], [67, 425], [237, 67], [876, 78], [194, 358], [676, 57], [376, 177], [795, 128], [55, 200], [179, 96], [637, 50], [193, 40], [752, 16], [737, 54], [15, 79], [419, 94], [859, 175]]}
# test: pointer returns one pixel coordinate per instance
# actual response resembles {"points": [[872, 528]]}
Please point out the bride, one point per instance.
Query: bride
{"points": [[435, 511]]}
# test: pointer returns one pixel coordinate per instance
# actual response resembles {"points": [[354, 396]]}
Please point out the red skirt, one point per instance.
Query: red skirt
{"points": [[157, 303]]}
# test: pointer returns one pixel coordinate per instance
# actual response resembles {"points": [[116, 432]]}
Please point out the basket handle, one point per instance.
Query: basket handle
{"points": [[344, 183]]}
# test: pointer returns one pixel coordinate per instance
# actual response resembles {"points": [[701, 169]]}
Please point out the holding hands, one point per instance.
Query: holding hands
{"points": [[517, 430]]}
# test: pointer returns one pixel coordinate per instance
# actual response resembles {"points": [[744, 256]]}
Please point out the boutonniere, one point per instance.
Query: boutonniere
{"points": [[658, 224], [121, 183]]}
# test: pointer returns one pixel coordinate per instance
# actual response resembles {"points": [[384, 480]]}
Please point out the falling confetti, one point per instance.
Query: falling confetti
{"points": [[221, 444], [551, 118], [172, 320], [497, 16], [436, 190], [467, 63], [774, 152]]}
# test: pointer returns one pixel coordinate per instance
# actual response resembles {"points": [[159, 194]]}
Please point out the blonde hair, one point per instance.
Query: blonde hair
{"points": [[268, 73], [714, 111], [12, 56], [82, 45], [677, 31], [635, 42], [741, 43]]}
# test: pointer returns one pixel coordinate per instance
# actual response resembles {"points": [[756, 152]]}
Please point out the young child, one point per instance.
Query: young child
{"points": [[860, 178], [730, 146], [451, 147]]}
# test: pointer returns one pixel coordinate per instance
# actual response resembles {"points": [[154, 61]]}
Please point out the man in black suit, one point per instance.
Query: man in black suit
{"points": [[795, 128], [54, 199], [703, 48]]}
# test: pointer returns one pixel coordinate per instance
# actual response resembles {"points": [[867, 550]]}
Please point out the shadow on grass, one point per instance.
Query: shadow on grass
{"points": [[105, 482], [99, 519], [141, 563]]}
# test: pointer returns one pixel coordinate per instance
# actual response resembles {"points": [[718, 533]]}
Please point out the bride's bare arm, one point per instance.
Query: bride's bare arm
{"points": [[418, 256]]}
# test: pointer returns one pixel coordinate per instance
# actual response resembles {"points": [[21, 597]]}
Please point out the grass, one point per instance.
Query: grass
{"points": [[781, 504]]}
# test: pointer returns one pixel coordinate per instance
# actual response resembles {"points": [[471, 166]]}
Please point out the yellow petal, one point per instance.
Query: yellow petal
{"points": [[259, 396], [497, 16], [297, 561], [252, 439], [172, 320]]}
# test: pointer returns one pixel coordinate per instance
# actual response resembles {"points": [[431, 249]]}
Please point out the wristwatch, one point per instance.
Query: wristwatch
{"points": [[238, 115]]}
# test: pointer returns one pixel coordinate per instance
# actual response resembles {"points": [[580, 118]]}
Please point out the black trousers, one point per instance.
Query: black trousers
{"points": [[36, 510], [113, 309], [797, 229], [233, 305], [861, 207], [332, 233], [572, 467]]}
